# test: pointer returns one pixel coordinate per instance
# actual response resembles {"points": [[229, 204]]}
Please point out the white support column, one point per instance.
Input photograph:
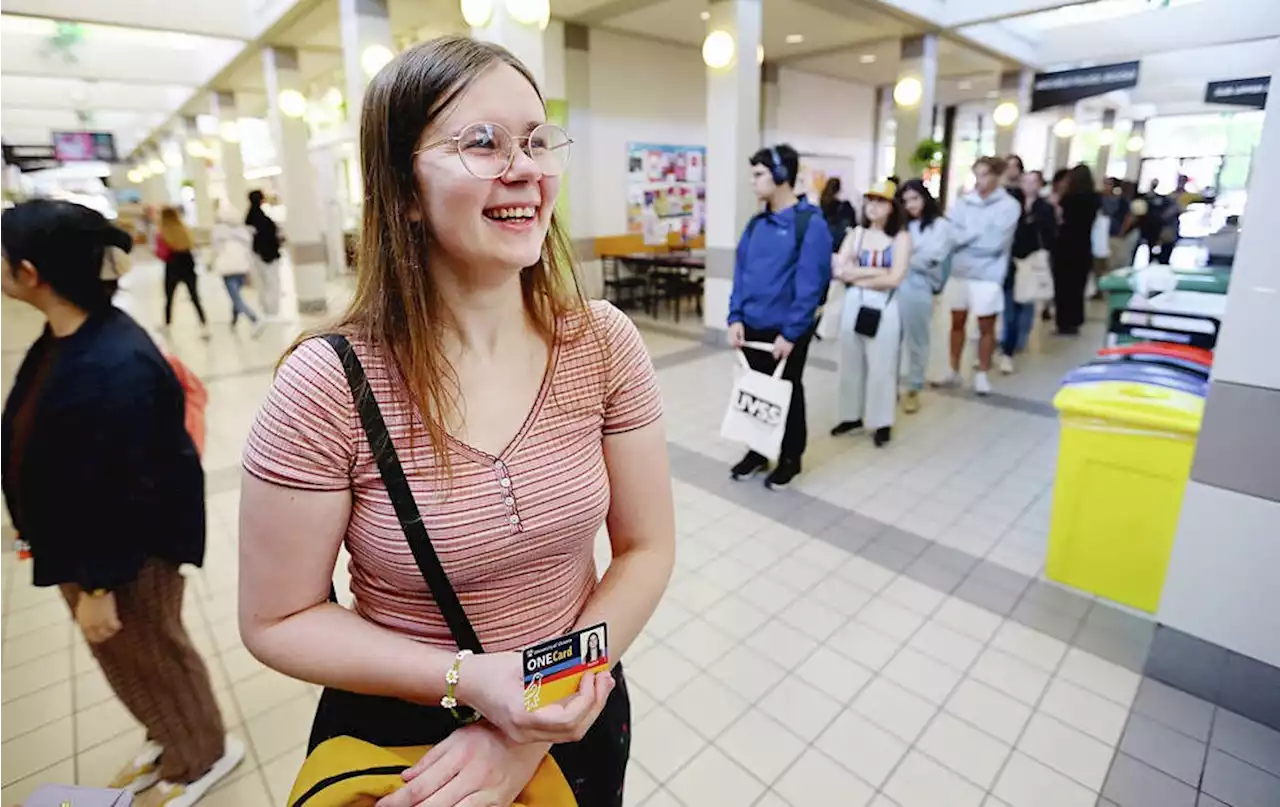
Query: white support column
{"points": [[733, 135], [366, 43], [230, 158], [302, 228], [1133, 159], [915, 121], [173, 156], [526, 41], [575, 189], [1104, 149], [1015, 88], [196, 171]]}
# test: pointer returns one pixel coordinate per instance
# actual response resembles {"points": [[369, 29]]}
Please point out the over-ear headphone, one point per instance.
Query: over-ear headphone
{"points": [[778, 170]]}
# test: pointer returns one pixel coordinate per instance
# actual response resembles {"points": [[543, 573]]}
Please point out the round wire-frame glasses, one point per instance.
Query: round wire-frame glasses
{"points": [[487, 150]]}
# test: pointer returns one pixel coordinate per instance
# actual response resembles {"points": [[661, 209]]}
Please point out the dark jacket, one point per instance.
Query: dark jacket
{"points": [[266, 235], [841, 218], [1037, 229], [105, 475], [1075, 235]]}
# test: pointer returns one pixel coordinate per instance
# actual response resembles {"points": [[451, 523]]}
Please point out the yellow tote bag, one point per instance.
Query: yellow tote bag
{"points": [[346, 772]]}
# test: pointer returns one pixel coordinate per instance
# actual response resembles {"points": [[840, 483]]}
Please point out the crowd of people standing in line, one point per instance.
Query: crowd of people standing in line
{"points": [[877, 271]]}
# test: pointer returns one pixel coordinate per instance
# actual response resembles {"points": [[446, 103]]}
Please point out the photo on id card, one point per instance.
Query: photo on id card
{"points": [[553, 669]]}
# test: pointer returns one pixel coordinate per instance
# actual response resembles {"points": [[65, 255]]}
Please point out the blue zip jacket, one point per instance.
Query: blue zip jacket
{"points": [[769, 291]]}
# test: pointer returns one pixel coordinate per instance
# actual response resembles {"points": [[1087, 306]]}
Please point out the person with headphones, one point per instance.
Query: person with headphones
{"points": [[781, 273]]}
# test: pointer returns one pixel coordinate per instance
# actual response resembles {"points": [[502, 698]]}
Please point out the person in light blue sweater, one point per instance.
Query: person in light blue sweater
{"points": [[931, 246], [984, 222]]}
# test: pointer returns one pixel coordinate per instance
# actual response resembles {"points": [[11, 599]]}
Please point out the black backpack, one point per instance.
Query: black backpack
{"points": [[803, 215]]}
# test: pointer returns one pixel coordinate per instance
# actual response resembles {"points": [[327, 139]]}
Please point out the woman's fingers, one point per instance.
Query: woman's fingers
{"points": [[455, 790], [424, 786], [483, 799], [569, 719], [436, 754]]}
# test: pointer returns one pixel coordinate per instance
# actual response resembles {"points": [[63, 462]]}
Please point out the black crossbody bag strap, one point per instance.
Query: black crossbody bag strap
{"points": [[415, 532]]}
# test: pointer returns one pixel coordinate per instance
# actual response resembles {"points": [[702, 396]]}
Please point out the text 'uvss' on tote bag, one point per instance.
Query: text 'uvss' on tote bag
{"points": [[758, 407]]}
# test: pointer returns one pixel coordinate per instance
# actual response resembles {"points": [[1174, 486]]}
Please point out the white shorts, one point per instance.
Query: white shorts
{"points": [[983, 298]]}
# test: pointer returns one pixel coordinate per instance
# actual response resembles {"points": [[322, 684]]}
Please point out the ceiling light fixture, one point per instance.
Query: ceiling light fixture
{"points": [[867, 58], [1065, 128], [135, 176], [795, 39], [718, 49], [530, 12], [477, 13], [292, 103], [173, 159], [374, 58], [1106, 137], [1136, 143], [196, 148], [759, 54], [1005, 114], [156, 165], [908, 91], [706, 15]]}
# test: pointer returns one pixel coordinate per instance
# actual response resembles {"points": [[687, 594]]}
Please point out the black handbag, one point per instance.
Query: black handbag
{"points": [[867, 323]]}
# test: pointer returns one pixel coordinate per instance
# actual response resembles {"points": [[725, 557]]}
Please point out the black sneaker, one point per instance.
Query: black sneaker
{"points": [[847, 427], [882, 436], [787, 470], [750, 465]]}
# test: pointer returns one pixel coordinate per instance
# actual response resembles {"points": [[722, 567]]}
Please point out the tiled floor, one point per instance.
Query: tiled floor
{"points": [[880, 635]]}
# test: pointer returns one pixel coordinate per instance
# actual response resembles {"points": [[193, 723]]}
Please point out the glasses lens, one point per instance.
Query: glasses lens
{"points": [[549, 148], [485, 149]]}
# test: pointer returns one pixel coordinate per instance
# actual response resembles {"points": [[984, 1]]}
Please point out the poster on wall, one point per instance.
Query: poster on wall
{"points": [[816, 170], [666, 191]]}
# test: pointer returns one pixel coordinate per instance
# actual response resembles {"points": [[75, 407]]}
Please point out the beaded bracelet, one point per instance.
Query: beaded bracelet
{"points": [[450, 700]]}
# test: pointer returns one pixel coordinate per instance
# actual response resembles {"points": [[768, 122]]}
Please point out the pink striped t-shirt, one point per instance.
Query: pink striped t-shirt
{"points": [[514, 532]]}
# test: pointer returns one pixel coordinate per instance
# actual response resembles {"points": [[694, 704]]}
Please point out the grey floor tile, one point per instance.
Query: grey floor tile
{"points": [[1252, 688], [1239, 783], [935, 575], [1174, 708], [1164, 749], [985, 595], [1128, 651], [994, 574], [851, 533], [1187, 663], [1209, 801], [1106, 617], [1243, 738], [816, 516], [1135, 784], [1046, 620], [944, 555], [886, 555], [1058, 599], [904, 541]]}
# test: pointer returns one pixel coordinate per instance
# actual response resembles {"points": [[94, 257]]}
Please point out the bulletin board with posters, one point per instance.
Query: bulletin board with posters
{"points": [[816, 170], [666, 191]]}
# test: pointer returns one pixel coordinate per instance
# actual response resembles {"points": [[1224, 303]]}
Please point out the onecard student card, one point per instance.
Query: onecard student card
{"points": [[553, 669]]}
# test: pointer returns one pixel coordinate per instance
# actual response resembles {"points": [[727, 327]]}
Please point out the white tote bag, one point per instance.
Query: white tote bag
{"points": [[1032, 279], [758, 407]]}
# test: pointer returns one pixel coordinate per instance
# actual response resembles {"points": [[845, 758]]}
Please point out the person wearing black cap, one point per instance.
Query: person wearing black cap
{"points": [[103, 482]]}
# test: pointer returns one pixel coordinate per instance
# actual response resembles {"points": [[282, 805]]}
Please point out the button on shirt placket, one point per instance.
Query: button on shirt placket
{"points": [[508, 496]]}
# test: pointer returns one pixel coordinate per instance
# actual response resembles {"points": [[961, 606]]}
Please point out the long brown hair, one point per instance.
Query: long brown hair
{"points": [[174, 231], [397, 303]]}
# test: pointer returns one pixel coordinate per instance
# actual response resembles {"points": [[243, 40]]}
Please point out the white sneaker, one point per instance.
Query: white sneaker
{"points": [[258, 329], [1006, 364], [950, 381], [142, 772], [175, 794], [981, 384]]}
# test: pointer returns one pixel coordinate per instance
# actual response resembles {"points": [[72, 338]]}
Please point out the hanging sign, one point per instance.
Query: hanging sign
{"points": [[31, 157], [1068, 86], [1239, 92]]}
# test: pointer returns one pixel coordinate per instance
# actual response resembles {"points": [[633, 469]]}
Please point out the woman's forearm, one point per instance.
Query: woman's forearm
{"points": [[628, 594], [332, 646]]}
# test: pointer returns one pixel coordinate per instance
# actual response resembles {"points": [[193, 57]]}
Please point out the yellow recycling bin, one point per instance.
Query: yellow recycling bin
{"points": [[1123, 464]]}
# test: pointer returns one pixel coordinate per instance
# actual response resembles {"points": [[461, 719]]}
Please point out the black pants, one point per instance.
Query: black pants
{"points": [[796, 436], [594, 767], [180, 269], [1070, 276]]}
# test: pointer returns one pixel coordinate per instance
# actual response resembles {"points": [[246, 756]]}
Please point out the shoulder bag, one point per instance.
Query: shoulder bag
{"points": [[342, 771]]}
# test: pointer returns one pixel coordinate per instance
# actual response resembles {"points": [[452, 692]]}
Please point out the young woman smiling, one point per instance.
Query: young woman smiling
{"points": [[525, 418]]}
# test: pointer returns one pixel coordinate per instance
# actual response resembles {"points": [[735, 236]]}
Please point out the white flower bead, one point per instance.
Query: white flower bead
{"points": [[448, 702]]}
